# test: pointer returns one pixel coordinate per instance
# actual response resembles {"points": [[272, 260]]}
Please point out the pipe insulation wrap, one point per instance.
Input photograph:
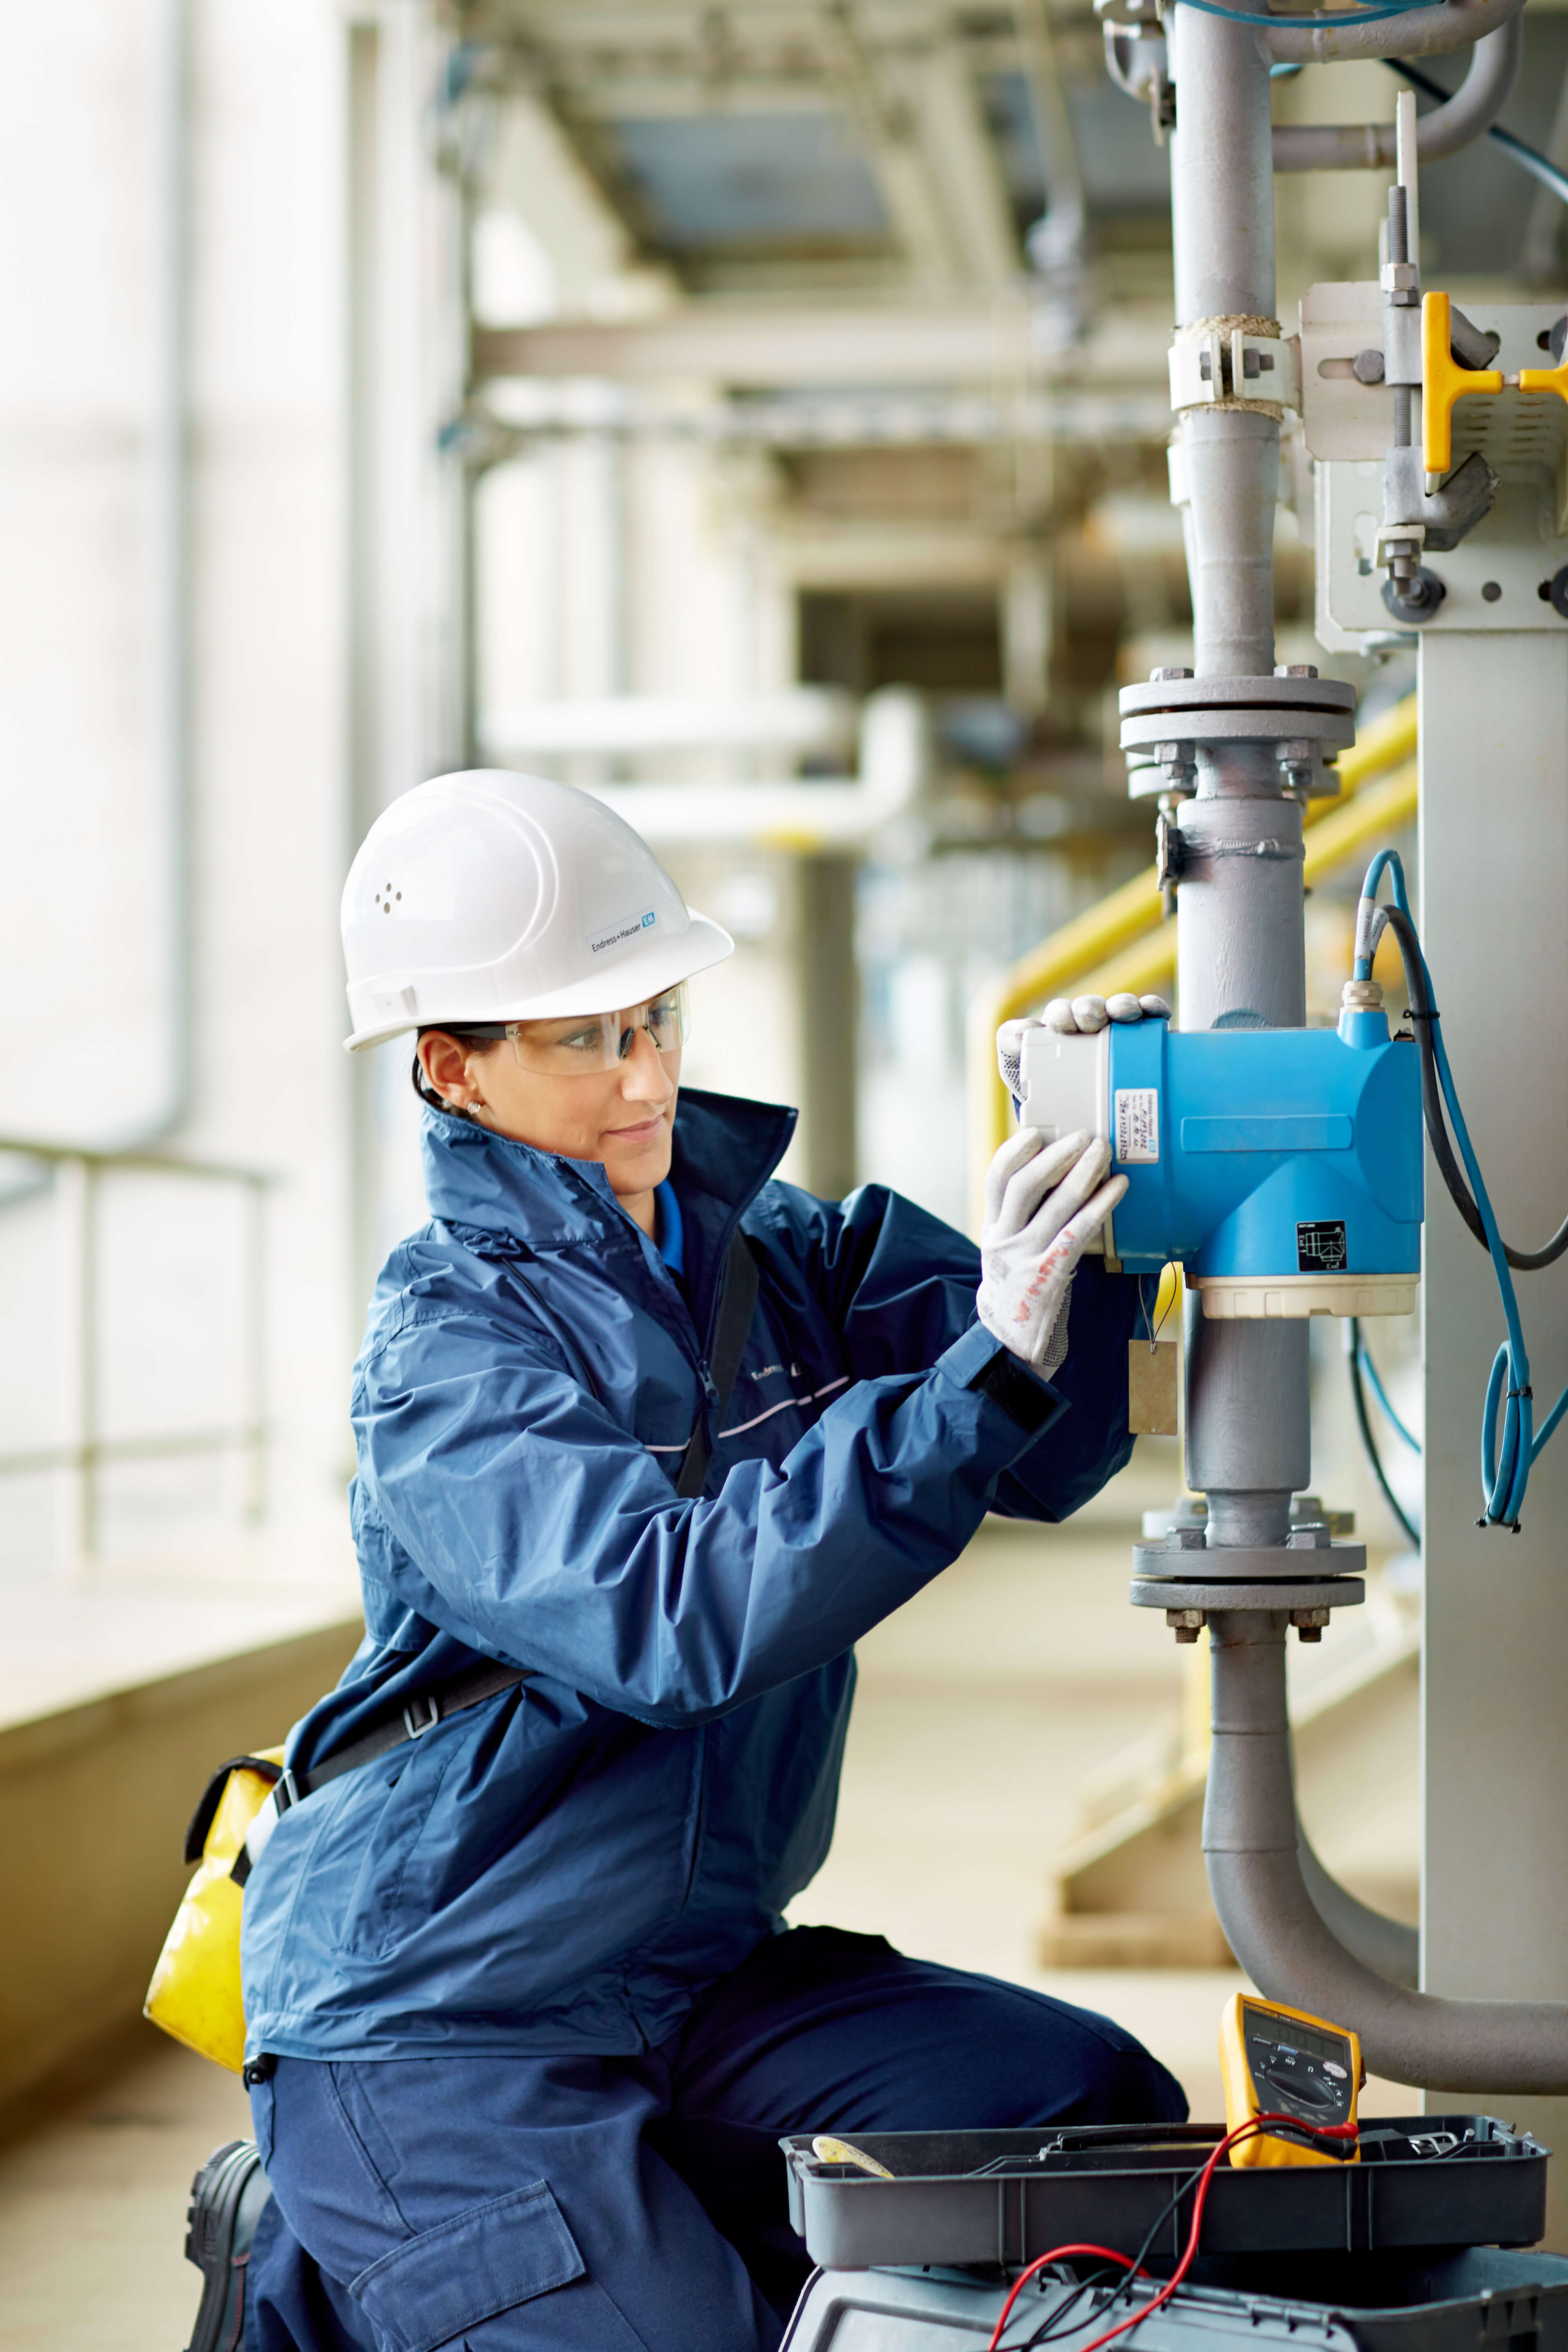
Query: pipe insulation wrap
{"points": [[1415, 33], [1473, 109], [1251, 1849]]}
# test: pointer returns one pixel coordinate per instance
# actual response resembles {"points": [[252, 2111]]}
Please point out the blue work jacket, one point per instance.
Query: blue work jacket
{"points": [[566, 1866]]}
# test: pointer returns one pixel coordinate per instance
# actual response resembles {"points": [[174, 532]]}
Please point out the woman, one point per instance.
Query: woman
{"points": [[524, 2023]]}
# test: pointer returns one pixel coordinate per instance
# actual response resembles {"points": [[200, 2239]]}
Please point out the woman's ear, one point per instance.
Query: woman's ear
{"points": [[446, 1068]]}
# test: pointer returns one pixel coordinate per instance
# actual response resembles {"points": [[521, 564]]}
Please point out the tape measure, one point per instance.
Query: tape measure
{"points": [[1280, 2061]]}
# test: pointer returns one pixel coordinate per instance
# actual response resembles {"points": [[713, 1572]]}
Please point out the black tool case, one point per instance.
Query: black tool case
{"points": [[1003, 2197], [1475, 2300]]}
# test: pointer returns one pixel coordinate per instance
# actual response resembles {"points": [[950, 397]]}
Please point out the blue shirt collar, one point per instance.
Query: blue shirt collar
{"points": [[669, 1232]]}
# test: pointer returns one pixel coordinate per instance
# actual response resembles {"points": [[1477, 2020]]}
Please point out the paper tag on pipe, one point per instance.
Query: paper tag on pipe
{"points": [[1152, 1387]]}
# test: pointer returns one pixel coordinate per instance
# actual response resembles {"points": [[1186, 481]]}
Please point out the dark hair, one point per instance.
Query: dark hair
{"points": [[475, 1039]]}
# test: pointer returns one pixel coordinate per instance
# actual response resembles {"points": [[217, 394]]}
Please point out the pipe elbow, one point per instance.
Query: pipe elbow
{"points": [[1251, 1851], [1370, 146], [1415, 33]]}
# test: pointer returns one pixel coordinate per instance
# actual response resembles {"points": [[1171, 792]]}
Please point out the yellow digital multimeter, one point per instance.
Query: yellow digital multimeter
{"points": [[1280, 2061]]}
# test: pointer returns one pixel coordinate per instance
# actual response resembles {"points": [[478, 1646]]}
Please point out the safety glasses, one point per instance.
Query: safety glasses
{"points": [[585, 1045]]}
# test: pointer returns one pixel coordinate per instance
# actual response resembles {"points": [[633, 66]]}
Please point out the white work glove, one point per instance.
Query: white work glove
{"points": [[1042, 1205], [1081, 1017]]}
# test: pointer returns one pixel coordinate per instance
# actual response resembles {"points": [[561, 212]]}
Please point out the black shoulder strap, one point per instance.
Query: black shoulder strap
{"points": [[732, 1326], [212, 1797]]}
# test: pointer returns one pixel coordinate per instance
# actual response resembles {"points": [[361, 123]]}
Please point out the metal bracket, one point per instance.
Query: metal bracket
{"points": [[1260, 371]]}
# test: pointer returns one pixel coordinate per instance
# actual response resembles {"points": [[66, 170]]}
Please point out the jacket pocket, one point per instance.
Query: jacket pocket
{"points": [[463, 2272]]}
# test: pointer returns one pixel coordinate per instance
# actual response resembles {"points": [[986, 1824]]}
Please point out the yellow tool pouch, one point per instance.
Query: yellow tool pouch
{"points": [[195, 1993]]}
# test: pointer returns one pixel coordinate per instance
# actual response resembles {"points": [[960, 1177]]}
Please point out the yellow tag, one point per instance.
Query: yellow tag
{"points": [[1151, 1388]]}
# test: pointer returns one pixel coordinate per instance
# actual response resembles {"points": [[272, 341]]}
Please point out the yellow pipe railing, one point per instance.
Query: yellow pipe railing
{"points": [[1124, 941]]}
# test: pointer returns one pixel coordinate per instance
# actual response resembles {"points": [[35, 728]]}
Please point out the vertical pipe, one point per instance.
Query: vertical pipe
{"points": [[1241, 947], [76, 1238], [1222, 230], [364, 458], [253, 1369], [169, 600]]}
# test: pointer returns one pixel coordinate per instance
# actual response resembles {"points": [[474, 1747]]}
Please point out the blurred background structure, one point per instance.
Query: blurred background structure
{"points": [[756, 413]]}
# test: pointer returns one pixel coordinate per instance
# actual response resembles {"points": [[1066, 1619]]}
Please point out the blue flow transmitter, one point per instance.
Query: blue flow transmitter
{"points": [[1280, 1168]]}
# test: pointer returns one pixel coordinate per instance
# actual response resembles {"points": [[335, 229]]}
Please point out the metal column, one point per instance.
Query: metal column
{"points": [[1494, 881]]}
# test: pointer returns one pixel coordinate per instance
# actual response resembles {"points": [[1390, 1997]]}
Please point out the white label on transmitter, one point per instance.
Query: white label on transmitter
{"points": [[1137, 1126]]}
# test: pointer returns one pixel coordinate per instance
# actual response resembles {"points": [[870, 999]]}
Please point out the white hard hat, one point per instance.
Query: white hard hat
{"points": [[494, 897]]}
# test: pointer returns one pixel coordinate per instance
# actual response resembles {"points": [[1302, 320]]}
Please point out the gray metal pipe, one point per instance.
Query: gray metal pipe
{"points": [[1413, 33], [1386, 1945], [1222, 223], [1251, 1847], [1241, 947], [1232, 460], [1473, 109]]}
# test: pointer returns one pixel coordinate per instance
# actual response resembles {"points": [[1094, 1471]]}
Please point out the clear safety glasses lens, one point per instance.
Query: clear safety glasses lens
{"points": [[588, 1045]]}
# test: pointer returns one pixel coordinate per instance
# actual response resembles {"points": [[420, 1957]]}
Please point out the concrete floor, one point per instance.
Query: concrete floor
{"points": [[983, 1706]]}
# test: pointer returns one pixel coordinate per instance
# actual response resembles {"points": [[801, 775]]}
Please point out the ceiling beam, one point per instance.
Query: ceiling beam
{"points": [[982, 341]]}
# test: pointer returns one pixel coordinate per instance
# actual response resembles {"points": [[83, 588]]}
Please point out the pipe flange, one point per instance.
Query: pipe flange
{"points": [[1309, 1595], [1296, 690], [1310, 1552], [1251, 722]]}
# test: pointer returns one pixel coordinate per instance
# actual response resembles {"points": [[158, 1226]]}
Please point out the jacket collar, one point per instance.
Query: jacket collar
{"points": [[725, 1148]]}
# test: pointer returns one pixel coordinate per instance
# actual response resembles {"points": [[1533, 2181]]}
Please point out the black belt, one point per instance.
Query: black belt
{"points": [[395, 1729]]}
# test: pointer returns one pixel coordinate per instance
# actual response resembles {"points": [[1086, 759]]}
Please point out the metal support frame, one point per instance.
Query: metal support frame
{"points": [[1494, 873]]}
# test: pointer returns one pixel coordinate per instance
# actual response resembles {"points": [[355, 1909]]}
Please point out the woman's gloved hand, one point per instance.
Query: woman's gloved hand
{"points": [[1082, 1016], [1043, 1204]]}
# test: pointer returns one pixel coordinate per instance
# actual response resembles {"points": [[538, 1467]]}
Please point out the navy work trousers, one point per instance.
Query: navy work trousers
{"points": [[582, 2204]]}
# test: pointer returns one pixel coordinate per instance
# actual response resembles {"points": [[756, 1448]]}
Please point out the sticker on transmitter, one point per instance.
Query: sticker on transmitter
{"points": [[1321, 1246], [1137, 1126]]}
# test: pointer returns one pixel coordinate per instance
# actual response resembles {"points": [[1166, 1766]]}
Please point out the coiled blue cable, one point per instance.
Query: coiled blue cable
{"points": [[1506, 1455]]}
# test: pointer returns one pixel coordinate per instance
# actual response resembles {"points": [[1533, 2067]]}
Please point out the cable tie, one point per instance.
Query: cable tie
{"points": [[1410, 1011], [1524, 1391]]}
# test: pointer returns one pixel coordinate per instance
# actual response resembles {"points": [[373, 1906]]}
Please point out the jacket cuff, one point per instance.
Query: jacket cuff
{"points": [[981, 1363]]}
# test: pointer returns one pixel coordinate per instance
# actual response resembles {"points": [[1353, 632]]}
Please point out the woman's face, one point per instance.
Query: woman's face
{"points": [[621, 1115]]}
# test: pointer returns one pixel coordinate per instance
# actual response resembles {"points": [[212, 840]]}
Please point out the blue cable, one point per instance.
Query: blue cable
{"points": [[1311, 24], [1505, 1465], [1380, 1393]]}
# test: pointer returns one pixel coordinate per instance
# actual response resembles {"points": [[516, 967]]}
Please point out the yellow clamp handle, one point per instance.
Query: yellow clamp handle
{"points": [[1546, 379], [1444, 380]]}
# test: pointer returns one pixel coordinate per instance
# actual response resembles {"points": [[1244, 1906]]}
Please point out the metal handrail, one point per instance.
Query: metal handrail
{"points": [[77, 1173]]}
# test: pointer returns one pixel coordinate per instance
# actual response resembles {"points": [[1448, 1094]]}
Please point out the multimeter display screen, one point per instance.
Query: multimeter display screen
{"points": [[1297, 2069]]}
